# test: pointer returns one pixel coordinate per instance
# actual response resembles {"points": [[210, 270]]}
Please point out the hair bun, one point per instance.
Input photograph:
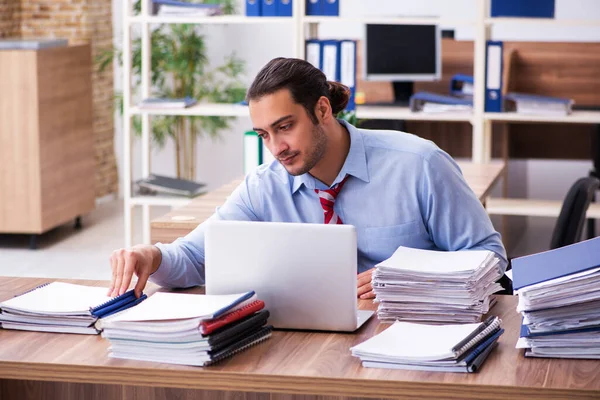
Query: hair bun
{"points": [[339, 95]]}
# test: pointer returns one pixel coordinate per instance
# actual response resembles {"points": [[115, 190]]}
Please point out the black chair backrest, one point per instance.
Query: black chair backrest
{"points": [[572, 214]]}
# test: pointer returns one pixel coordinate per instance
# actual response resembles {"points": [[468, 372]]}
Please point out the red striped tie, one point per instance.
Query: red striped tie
{"points": [[327, 198]]}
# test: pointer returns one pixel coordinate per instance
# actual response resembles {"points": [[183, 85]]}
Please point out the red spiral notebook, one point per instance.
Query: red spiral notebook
{"points": [[211, 325]]}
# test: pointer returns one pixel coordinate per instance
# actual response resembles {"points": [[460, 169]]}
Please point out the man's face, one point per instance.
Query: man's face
{"points": [[288, 132]]}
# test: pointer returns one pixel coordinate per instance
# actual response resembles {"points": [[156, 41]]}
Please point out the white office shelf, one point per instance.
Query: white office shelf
{"points": [[217, 19], [317, 19], [544, 21], [159, 201], [404, 113], [576, 117], [201, 109], [533, 208]]}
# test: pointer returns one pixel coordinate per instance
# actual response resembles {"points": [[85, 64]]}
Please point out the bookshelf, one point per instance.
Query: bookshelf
{"points": [[307, 27]]}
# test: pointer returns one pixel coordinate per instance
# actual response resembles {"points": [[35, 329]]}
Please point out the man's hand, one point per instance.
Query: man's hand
{"points": [[143, 260], [365, 289]]}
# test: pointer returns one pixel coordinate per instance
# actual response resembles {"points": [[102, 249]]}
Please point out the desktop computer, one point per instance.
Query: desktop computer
{"points": [[402, 54]]}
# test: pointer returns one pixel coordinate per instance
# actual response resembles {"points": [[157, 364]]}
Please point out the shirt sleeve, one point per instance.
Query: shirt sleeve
{"points": [[182, 262], [454, 216]]}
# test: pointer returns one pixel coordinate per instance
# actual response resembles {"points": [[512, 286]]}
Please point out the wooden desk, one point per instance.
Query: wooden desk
{"points": [[181, 221], [289, 366]]}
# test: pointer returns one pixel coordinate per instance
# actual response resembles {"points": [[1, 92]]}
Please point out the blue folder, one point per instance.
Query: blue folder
{"points": [[253, 8], [523, 8], [418, 99], [493, 77], [331, 7], [284, 8], [314, 7], [458, 81], [269, 8], [556, 263]]}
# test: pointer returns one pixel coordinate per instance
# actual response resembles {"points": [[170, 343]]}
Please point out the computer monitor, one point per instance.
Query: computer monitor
{"points": [[402, 54]]}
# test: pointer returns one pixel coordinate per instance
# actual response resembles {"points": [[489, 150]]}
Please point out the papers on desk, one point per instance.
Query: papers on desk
{"points": [[436, 286], [187, 329], [63, 307], [559, 299], [446, 348]]}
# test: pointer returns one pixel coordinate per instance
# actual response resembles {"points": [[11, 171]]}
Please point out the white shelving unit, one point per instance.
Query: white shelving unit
{"points": [[308, 27]]}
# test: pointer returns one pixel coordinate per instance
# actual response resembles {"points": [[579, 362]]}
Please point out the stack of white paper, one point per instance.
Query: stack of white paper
{"points": [[436, 286], [449, 348], [561, 317]]}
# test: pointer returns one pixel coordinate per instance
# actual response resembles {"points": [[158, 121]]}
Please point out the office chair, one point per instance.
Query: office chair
{"points": [[569, 224], [570, 221], [595, 172]]}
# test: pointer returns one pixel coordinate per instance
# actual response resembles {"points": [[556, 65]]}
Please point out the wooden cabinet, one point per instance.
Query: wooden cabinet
{"points": [[46, 142]]}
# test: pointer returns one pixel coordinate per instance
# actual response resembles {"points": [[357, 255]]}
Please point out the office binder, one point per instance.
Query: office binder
{"points": [[461, 85], [313, 52], [348, 70], [331, 7], [284, 8], [420, 99], [269, 8], [314, 7], [523, 8], [253, 8], [552, 264], [211, 325], [253, 151], [330, 57], [493, 77]]}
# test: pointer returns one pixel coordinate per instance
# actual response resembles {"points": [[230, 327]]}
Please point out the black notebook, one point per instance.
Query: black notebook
{"points": [[159, 184]]}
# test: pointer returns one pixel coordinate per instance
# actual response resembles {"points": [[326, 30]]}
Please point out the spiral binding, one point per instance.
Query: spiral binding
{"points": [[35, 288], [493, 326]]}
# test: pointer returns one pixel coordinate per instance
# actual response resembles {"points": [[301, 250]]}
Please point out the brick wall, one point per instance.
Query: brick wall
{"points": [[10, 21], [80, 21]]}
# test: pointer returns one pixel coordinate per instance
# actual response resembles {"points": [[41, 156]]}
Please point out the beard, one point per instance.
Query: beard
{"points": [[314, 154]]}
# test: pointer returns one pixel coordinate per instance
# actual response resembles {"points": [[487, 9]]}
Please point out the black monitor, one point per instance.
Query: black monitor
{"points": [[402, 54]]}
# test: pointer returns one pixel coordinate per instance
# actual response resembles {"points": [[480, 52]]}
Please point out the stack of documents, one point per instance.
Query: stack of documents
{"points": [[559, 298], [158, 184], [436, 286], [187, 329], [538, 105], [63, 307], [187, 8], [434, 102], [445, 348]]}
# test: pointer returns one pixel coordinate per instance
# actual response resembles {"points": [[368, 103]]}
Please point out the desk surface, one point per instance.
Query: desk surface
{"points": [[179, 222], [294, 362]]}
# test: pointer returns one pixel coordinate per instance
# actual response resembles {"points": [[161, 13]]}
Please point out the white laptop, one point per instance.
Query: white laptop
{"points": [[305, 273]]}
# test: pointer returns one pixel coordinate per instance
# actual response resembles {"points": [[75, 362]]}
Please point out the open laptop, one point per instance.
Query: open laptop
{"points": [[305, 273]]}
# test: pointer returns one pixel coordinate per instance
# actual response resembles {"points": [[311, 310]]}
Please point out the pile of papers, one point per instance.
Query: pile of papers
{"points": [[187, 329], [524, 103], [187, 8], [446, 348], [436, 286], [63, 307], [559, 298]]}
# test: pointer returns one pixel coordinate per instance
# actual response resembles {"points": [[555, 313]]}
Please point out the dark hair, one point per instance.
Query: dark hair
{"points": [[305, 83]]}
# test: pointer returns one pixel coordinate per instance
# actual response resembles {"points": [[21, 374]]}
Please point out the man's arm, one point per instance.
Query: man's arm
{"points": [[182, 263], [454, 216]]}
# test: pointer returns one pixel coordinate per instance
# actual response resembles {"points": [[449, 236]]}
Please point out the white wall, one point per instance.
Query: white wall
{"points": [[221, 160]]}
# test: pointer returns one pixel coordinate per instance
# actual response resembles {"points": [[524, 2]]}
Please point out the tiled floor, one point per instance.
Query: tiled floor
{"points": [[68, 253]]}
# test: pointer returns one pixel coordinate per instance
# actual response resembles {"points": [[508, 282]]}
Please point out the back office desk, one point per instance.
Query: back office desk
{"points": [[181, 221], [292, 365]]}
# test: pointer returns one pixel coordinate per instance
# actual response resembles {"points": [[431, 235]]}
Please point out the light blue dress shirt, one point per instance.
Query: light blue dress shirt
{"points": [[402, 191]]}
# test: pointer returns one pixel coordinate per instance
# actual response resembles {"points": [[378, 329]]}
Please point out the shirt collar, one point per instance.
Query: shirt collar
{"points": [[355, 164]]}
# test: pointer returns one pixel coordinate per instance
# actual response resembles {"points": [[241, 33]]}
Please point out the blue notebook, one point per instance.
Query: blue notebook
{"points": [[552, 264]]}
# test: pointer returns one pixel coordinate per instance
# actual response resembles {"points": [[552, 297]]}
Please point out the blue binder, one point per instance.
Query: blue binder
{"points": [[313, 52], [347, 63], [284, 8], [523, 8], [331, 7], [493, 76], [314, 7], [269, 8], [556, 263], [253, 8], [418, 99], [330, 59]]}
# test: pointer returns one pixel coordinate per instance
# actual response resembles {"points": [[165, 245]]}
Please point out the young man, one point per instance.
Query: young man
{"points": [[395, 188]]}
